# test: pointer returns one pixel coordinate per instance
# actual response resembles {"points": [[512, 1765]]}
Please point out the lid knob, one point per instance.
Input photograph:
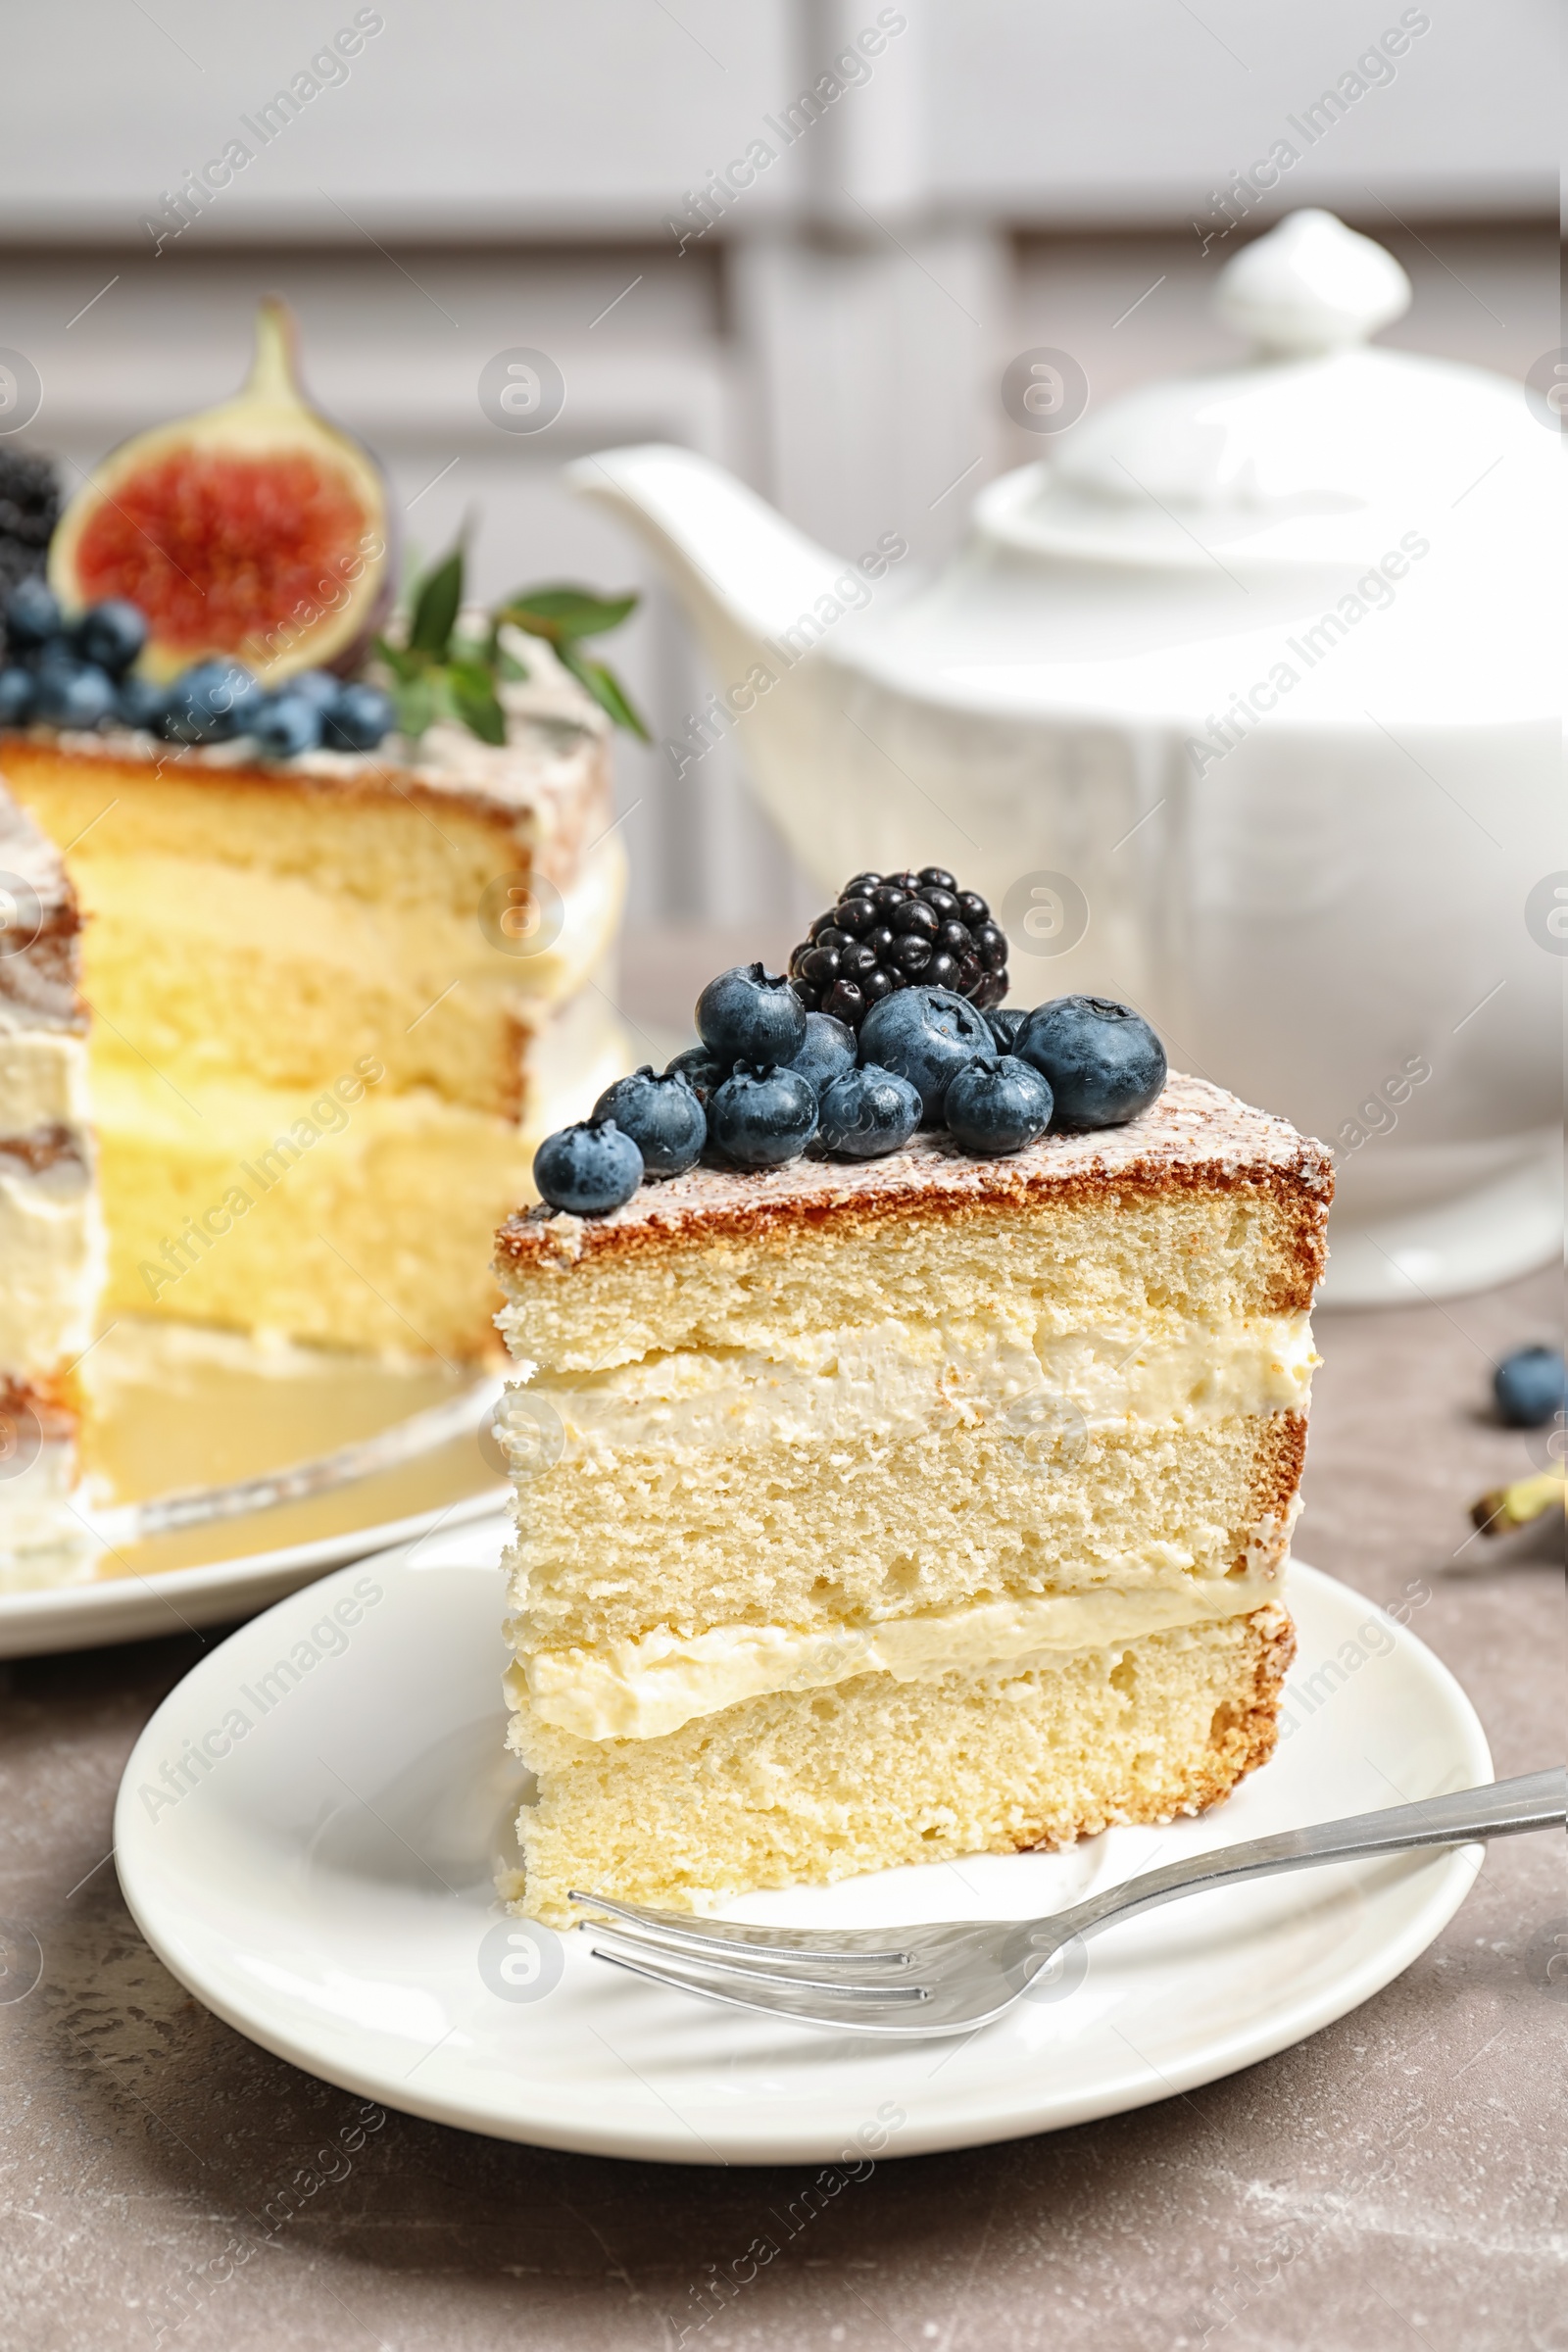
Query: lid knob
{"points": [[1312, 285]]}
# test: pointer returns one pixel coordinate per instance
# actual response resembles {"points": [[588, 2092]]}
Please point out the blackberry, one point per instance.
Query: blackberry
{"points": [[30, 509], [892, 931]]}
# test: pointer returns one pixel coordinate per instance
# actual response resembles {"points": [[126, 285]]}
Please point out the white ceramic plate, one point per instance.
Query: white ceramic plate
{"points": [[323, 1883], [175, 1406]]}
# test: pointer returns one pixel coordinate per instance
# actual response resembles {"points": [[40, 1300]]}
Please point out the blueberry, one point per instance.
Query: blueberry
{"points": [[997, 1103], [925, 1035], [1531, 1387], [588, 1168], [868, 1112], [318, 687], [32, 615], [700, 1070], [111, 634], [828, 1051], [82, 696], [286, 725], [141, 703], [762, 1118], [1103, 1063], [210, 701], [357, 718], [749, 1014], [1006, 1025], [662, 1115], [16, 689]]}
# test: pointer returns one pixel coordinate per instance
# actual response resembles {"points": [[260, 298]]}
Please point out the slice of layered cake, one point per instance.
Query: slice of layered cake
{"points": [[337, 1001], [51, 1240], [873, 1511]]}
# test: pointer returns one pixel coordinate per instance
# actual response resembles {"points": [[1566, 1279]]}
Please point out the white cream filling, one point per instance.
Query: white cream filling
{"points": [[52, 1250], [895, 1380], [640, 1690], [43, 1078]]}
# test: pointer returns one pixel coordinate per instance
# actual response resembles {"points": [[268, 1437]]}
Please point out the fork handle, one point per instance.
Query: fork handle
{"points": [[1537, 1801]]}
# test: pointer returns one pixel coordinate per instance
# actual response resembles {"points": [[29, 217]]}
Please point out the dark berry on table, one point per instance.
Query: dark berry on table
{"points": [[911, 954], [925, 1035], [810, 996], [82, 696], [285, 726], [943, 972], [587, 1169], [700, 1070], [751, 1014], [936, 877], [868, 1113], [972, 909], [1102, 1061], [997, 1103], [835, 937], [829, 1049], [846, 1001], [210, 701], [942, 903], [880, 942], [859, 959], [819, 965], [906, 882], [358, 719], [32, 616], [1005, 1023], [760, 1118], [663, 1116], [1531, 1387], [855, 915], [859, 886], [954, 936], [876, 985], [989, 946], [16, 689], [111, 634], [141, 703]]}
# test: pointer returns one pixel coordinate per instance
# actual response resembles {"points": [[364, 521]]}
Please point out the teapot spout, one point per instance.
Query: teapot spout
{"points": [[743, 574]]}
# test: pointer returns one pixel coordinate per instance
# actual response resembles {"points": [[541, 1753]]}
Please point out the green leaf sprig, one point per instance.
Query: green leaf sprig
{"points": [[439, 674]]}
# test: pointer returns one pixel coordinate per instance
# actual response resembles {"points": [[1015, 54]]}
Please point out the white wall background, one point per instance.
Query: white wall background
{"points": [[1013, 172]]}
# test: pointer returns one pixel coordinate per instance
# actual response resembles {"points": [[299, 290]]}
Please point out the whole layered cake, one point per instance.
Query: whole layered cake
{"points": [[318, 1070], [915, 1483], [349, 876]]}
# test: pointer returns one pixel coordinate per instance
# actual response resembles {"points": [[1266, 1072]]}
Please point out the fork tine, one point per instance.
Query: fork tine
{"points": [[674, 1931], [746, 1970], [773, 1998]]}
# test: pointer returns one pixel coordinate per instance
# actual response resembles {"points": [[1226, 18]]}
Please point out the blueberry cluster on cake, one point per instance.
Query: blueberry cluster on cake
{"points": [[908, 1429], [349, 875]]}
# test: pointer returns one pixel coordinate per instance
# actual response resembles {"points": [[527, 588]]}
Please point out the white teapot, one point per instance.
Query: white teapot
{"points": [[1242, 706]]}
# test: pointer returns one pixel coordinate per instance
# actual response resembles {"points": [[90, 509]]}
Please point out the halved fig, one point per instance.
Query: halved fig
{"points": [[256, 529]]}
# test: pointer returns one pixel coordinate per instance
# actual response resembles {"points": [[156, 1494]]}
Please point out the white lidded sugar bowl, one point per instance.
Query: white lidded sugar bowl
{"points": [[1244, 704]]}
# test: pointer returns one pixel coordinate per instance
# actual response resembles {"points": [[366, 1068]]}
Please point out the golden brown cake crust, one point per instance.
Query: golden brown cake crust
{"points": [[1195, 1137], [546, 792]]}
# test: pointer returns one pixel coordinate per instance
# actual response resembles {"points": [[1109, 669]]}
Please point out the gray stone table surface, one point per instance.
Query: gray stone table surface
{"points": [[1395, 2182]]}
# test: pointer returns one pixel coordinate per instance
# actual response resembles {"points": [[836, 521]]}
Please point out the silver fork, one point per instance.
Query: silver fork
{"points": [[950, 1979]]}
